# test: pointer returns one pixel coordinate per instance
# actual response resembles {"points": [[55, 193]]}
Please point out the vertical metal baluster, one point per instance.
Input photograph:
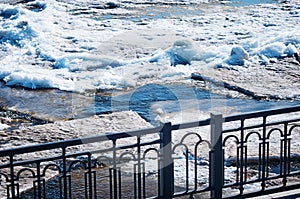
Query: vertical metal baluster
{"points": [[223, 158], [167, 164], [120, 182], [288, 140], [217, 162], [12, 176], [95, 185], [34, 190], [260, 161], [267, 159], [158, 177], [241, 188], [38, 172], [245, 162], [144, 181], [111, 182], [90, 176], [135, 181], [65, 173], [286, 156], [238, 162], [60, 187], [86, 185], [44, 187], [69, 185], [115, 182], [282, 155], [139, 180], [18, 190], [263, 183], [196, 168], [7, 191], [186, 170]]}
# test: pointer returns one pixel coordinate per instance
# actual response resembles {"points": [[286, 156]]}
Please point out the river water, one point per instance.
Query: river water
{"points": [[148, 101]]}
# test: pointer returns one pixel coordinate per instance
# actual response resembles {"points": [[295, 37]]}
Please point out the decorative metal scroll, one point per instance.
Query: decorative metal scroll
{"points": [[168, 161]]}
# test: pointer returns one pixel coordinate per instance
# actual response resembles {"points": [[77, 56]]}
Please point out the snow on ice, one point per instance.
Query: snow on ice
{"points": [[3, 126], [52, 45]]}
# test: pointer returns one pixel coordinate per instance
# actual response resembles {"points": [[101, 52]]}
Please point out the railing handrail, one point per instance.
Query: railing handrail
{"points": [[120, 135], [256, 114], [241, 116], [78, 141]]}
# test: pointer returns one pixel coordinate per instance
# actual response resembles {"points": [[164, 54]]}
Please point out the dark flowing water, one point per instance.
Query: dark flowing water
{"points": [[51, 105], [178, 98]]}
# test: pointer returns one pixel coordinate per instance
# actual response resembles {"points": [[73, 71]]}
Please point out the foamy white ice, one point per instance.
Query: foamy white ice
{"points": [[60, 47], [3, 126]]}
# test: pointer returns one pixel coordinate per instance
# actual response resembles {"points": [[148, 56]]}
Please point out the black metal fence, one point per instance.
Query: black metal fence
{"points": [[233, 157]]}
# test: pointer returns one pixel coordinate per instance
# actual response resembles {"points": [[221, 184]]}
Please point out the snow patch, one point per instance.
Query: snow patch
{"points": [[4, 126]]}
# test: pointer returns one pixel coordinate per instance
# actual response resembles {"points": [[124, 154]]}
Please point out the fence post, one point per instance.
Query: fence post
{"points": [[216, 161], [166, 178]]}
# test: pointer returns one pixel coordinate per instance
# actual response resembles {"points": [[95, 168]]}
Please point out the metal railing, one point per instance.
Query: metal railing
{"points": [[232, 157]]}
